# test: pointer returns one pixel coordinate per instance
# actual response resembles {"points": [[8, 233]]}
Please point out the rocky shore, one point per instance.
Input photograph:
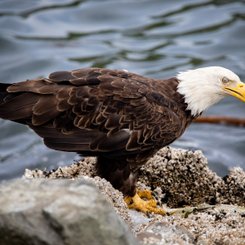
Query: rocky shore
{"points": [[209, 209]]}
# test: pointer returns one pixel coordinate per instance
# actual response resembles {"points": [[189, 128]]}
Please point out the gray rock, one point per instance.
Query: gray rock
{"points": [[203, 225], [58, 212], [165, 233]]}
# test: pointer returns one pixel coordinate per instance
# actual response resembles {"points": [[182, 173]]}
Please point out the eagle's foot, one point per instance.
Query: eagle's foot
{"points": [[139, 203]]}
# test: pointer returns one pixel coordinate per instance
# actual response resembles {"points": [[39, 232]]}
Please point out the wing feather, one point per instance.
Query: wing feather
{"points": [[97, 110]]}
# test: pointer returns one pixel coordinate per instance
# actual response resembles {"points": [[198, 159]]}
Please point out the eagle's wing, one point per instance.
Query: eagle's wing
{"points": [[94, 110]]}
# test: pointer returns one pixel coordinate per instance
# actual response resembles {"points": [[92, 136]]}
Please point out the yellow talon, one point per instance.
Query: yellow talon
{"points": [[137, 202], [145, 194]]}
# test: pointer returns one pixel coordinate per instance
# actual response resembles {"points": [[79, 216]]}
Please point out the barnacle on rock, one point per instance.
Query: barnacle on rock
{"points": [[177, 178]]}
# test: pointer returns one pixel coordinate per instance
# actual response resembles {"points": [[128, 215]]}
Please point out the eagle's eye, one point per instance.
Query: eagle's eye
{"points": [[225, 80]]}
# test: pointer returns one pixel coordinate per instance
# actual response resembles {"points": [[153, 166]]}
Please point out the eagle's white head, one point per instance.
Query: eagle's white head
{"points": [[206, 86]]}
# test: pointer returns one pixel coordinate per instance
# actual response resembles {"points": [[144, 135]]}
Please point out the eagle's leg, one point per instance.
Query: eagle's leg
{"points": [[119, 174], [139, 203]]}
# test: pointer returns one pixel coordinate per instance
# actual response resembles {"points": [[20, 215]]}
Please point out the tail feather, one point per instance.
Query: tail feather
{"points": [[3, 92], [15, 106]]}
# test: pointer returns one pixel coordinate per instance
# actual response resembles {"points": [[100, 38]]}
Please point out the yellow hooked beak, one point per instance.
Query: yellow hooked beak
{"points": [[237, 90]]}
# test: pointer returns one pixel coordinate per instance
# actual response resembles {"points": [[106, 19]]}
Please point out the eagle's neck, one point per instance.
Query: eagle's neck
{"points": [[198, 94]]}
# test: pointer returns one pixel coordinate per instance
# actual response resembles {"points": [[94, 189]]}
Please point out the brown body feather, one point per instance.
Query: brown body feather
{"points": [[120, 117]]}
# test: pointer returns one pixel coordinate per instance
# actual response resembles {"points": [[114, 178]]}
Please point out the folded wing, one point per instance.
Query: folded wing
{"points": [[92, 111]]}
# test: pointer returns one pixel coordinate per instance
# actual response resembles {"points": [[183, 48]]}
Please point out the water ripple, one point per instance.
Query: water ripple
{"points": [[152, 37]]}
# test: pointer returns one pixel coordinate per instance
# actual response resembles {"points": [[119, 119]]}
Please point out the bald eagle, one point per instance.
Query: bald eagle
{"points": [[120, 117]]}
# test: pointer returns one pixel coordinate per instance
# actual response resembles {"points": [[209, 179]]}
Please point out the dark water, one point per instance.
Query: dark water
{"points": [[152, 37]]}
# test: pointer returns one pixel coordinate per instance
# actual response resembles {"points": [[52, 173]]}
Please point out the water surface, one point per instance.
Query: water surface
{"points": [[151, 37]]}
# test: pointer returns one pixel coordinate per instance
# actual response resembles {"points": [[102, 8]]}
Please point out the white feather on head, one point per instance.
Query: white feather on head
{"points": [[202, 87]]}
